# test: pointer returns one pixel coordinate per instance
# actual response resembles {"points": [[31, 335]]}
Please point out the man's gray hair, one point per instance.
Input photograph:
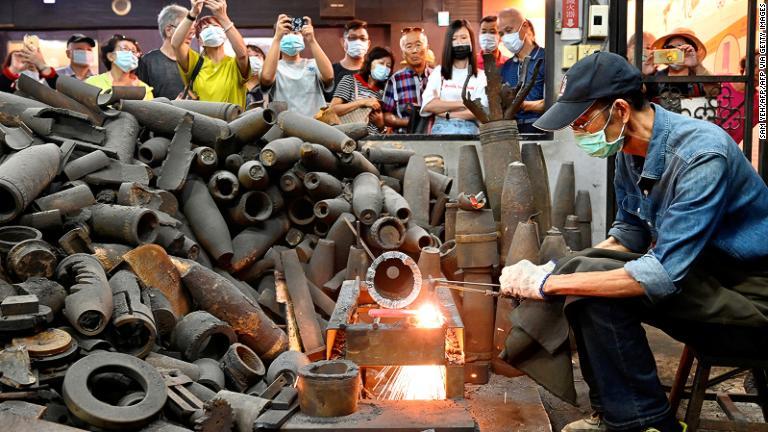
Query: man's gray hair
{"points": [[422, 37], [170, 15]]}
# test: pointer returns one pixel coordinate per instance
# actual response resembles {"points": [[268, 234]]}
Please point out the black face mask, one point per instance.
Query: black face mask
{"points": [[461, 52]]}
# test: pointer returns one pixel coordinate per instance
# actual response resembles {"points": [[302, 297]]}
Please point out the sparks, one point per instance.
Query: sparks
{"points": [[429, 316], [412, 383]]}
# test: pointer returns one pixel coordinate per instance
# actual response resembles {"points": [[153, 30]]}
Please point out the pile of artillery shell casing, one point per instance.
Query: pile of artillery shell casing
{"points": [[160, 258]]}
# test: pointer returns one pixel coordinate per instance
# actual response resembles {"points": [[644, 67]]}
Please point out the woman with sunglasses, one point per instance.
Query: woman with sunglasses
{"points": [[121, 58], [214, 76], [442, 95]]}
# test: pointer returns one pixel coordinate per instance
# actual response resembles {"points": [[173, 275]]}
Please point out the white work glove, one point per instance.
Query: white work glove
{"points": [[525, 279]]}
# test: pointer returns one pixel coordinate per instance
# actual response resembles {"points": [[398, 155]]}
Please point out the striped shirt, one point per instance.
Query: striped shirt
{"points": [[352, 88]]}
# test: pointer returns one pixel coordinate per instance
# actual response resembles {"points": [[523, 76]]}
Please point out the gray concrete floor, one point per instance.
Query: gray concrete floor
{"points": [[667, 352]]}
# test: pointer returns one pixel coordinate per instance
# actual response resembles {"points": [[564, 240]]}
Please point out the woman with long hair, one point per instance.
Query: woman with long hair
{"points": [[442, 95]]}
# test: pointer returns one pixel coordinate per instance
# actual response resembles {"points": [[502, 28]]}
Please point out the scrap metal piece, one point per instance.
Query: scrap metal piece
{"points": [[132, 225], [22, 408], [386, 233], [223, 186], [583, 207], [85, 405], [281, 154], [304, 309], [252, 124], [24, 176], [49, 293], [167, 363], [217, 415], [564, 197], [162, 118], [135, 331], [393, 280], [118, 93], [355, 163], [22, 313], [315, 131], [253, 242], [117, 173], [200, 334], [396, 205], [46, 343], [382, 155], [241, 366], [553, 247], [320, 185], [329, 388], [211, 374], [31, 258], [315, 157], [11, 235], [154, 150], [79, 90], [68, 201], [135, 194], [206, 221], [356, 130], [17, 138], [88, 307], [517, 203], [178, 161], [367, 198], [223, 299], [49, 96], [85, 165], [16, 367], [162, 311], [60, 125], [205, 161], [122, 134], [76, 240], [287, 364], [47, 220], [416, 189], [572, 233], [253, 175], [533, 158], [246, 409]]}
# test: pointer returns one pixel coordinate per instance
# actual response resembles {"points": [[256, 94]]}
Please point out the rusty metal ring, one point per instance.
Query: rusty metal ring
{"points": [[85, 406], [394, 299], [329, 388]]}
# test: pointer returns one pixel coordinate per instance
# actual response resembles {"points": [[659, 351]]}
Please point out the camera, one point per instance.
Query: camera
{"points": [[668, 56], [297, 23]]}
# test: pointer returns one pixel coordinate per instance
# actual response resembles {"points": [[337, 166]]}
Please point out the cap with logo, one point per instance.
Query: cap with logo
{"points": [[599, 75], [79, 37]]}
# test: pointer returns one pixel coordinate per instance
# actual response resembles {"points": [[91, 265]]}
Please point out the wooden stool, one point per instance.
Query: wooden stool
{"points": [[701, 381]]}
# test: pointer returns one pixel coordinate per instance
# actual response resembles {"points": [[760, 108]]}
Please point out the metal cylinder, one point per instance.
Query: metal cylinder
{"points": [[11, 235], [252, 243], [252, 125], [553, 246], [476, 239], [328, 210], [386, 233], [396, 205], [134, 325], [301, 211], [356, 130], [281, 154], [224, 300], [329, 388], [439, 184], [133, 225], [87, 164], [367, 198], [320, 185], [223, 186], [318, 158], [500, 144], [161, 361], [47, 220], [470, 179], [416, 239], [153, 150], [355, 163], [88, 307], [49, 293], [206, 221], [256, 206], [393, 280], [68, 201], [241, 366], [416, 189], [382, 155], [31, 258], [24, 176], [533, 158], [584, 212], [563, 200], [219, 110], [211, 374], [200, 334], [274, 133], [162, 312], [205, 161], [315, 131], [45, 94], [122, 132], [233, 162], [291, 183], [572, 233], [163, 118], [252, 175], [288, 365], [517, 203], [343, 237], [477, 312]]}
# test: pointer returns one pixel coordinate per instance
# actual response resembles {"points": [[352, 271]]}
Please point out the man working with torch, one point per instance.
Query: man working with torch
{"points": [[687, 252]]}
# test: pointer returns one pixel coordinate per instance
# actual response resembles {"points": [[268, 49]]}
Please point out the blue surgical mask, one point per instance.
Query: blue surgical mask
{"points": [[357, 48], [512, 41], [380, 72], [488, 42], [126, 60], [596, 144], [256, 64], [291, 44], [213, 36]]}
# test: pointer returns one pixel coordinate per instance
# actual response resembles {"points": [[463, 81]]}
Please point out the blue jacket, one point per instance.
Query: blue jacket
{"points": [[695, 192]]}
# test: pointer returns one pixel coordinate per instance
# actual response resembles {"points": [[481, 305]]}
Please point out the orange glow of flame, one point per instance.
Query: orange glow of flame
{"points": [[414, 383], [429, 316]]}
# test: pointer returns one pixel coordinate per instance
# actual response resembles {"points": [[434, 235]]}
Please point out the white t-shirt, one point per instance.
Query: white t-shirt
{"points": [[299, 85], [450, 90]]}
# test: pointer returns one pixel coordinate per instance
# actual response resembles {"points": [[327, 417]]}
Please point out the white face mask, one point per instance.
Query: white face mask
{"points": [[488, 42], [213, 36], [82, 57], [512, 41], [35, 75], [356, 48], [256, 64], [677, 67]]}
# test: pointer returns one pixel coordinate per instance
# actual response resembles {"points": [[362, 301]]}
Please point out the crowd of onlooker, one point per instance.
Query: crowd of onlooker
{"points": [[412, 96]]}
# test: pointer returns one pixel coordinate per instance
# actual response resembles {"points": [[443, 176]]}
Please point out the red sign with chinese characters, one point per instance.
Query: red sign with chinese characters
{"points": [[570, 14]]}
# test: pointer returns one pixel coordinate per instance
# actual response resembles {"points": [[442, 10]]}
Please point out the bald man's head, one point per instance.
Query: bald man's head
{"points": [[511, 20]]}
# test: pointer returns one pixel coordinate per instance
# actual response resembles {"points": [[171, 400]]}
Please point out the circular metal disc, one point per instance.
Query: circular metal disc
{"points": [[46, 343], [389, 301]]}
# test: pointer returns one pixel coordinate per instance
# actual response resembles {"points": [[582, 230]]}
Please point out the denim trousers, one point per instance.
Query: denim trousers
{"points": [[454, 127], [617, 362]]}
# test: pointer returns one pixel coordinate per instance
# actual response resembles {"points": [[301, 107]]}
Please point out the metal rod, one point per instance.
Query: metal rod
{"points": [[467, 283], [359, 238]]}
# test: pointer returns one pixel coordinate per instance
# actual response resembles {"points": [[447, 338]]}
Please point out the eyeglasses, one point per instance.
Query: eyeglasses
{"points": [[411, 29], [582, 126]]}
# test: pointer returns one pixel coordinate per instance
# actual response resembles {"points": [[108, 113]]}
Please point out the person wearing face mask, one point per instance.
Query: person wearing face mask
{"points": [[518, 36], [256, 59], [295, 80], [364, 90], [25, 62], [120, 56], [402, 95], [489, 42], [212, 75], [685, 253], [355, 42], [442, 95], [158, 67], [80, 54], [694, 52]]}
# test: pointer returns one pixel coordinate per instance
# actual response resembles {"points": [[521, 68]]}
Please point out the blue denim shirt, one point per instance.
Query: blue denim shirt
{"points": [[695, 192]]}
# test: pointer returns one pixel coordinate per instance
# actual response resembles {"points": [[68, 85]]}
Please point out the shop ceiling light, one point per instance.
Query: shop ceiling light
{"points": [[49, 1], [121, 7]]}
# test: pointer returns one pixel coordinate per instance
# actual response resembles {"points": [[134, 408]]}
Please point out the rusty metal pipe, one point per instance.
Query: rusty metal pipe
{"points": [[329, 388], [218, 110], [315, 131], [24, 176], [253, 242], [386, 233], [500, 144], [394, 280], [242, 367], [133, 225], [85, 165], [329, 210], [122, 133], [256, 206], [31, 258], [416, 189], [205, 161], [222, 299], [356, 130], [154, 150], [88, 307], [318, 158], [252, 125], [206, 221], [381, 155], [396, 205], [223, 186], [201, 334], [320, 185], [135, 330], [367, 198], [355, 163], [163, 118], [49, 96], [67, 201], [281, 154]]}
